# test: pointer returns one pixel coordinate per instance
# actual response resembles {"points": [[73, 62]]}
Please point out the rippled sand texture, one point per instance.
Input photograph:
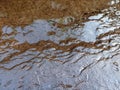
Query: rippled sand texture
{"points": [[51, 55]]}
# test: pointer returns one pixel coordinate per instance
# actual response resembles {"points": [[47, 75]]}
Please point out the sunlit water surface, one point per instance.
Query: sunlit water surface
{"points": [[43, 56]]}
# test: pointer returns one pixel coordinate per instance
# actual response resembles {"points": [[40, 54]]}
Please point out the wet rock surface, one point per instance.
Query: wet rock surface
{"points": [[43, 56]]}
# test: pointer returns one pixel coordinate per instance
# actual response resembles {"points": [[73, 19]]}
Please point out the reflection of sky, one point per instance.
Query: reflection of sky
{"points": [[34, 32], [46, 74], [38, 30]]}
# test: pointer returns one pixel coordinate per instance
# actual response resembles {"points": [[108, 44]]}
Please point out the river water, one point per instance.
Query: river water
{"points": [[44, 56]]}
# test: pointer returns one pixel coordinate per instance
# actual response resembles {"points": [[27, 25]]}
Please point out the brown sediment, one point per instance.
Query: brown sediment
{"points": [[44, 45], [10, 41], [66, 41], [22, 12], [66, 85], [51, 33], [117, 31], [14, 65]]}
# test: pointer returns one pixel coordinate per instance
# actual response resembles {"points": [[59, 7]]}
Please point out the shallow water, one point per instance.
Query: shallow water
{"points": [[43, 56]]}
